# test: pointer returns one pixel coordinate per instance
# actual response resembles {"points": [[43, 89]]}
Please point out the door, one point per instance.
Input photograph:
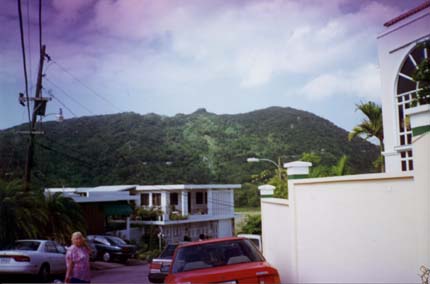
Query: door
{"points": [[53, 256]]}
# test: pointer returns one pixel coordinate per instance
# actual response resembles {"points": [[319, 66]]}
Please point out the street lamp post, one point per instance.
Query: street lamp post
{"points": [[278, 164]]}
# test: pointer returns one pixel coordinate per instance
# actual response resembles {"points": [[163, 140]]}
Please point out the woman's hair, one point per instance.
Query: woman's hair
{"points": [[84, 241]]}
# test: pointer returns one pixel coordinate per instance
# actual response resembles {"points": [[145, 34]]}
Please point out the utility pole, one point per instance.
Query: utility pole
{"points": [[39, 108]]}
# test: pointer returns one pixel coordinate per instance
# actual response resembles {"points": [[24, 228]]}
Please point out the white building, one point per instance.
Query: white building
{"points": [[182, 209], [205, 209], [372, 228], [398, 57]]}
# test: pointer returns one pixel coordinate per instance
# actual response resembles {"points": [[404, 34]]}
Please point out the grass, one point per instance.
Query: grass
{"points": [[247, 210]]}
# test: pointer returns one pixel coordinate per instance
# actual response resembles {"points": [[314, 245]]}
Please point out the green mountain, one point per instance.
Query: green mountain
{"points": [[201, 147]]}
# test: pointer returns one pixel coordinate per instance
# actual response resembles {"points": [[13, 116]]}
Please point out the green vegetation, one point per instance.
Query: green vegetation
{"points": [[422, 77], [371, 127], [31, 215], [252, 225], [203, 147]]}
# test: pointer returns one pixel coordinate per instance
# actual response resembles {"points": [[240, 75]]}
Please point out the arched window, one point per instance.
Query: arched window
{"points": [[406, 92]]}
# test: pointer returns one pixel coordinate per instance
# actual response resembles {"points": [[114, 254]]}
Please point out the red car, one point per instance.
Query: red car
{"points": [[226, 260]]}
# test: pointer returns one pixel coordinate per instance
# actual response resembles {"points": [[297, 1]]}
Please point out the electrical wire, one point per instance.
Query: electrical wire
{"points": [[29, 43], [40, 27], [66, 107], [64, 154], [69, 96], [21, 29], [64, 69]]}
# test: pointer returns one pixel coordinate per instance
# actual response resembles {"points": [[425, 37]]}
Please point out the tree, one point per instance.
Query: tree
{"points": [[22, 214], [64, 217], [371, 126], [422, 76], [252, 225]]}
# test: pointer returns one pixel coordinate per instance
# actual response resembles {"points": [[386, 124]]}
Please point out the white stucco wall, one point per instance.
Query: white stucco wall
{"points": [[278, 243], [371, 228]]}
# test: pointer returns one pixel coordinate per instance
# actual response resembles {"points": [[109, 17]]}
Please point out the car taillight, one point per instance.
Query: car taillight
{"points": [[21, 258], [155, 265], [265, 278]]}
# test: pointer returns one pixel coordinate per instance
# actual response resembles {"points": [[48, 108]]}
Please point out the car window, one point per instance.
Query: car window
{"points": [[214, 255], [168, 252], [60, 248], [26, 245], [50, 247], [101, 240], [116, 241]]}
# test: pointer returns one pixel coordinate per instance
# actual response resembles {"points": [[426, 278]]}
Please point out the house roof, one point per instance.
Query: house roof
{"points": [[407, 14], [103, 188], [119, 188], [186, 187]]}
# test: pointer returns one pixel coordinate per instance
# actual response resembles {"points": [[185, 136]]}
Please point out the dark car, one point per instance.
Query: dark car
{"points": [[94, 254], [164, 259], [111, 248]]}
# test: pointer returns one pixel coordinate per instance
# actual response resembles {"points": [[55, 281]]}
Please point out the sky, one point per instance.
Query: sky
{"points": [[176, 56]]}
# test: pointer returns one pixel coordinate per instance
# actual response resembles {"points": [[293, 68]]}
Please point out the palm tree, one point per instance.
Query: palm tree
{"points": [[371, 127], [64, 217], [22, 214]]}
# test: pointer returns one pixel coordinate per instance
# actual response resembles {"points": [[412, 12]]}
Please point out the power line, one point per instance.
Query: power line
{"points": [[64, 69], [21, 29], [66, 107], [29, 41], [64, 154], [40, 26], [69, 96]]}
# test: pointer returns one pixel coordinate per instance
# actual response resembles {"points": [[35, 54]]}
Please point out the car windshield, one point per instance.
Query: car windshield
{"points": [[26, 245], [215, 254], [168, 252], [116, 241]]}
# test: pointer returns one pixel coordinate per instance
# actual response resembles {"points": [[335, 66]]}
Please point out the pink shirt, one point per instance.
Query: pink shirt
{"points": [[81, 262]]}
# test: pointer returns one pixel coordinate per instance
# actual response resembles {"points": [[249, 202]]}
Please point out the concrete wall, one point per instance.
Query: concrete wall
{"points": [[371, 228], [278, 242]]}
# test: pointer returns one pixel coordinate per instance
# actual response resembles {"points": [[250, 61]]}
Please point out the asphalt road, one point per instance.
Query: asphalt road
{"points": [[133, 272], [122, 274]]}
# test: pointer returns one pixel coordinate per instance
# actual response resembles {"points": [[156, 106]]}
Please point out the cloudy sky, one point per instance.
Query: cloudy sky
{"points": [[175, 56]]}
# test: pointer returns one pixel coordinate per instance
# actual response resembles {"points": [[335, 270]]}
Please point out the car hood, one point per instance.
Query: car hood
{"points": [[244, 272]]}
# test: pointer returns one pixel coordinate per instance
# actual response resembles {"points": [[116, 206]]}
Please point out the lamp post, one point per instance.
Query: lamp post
{"points": [[278, 164]]}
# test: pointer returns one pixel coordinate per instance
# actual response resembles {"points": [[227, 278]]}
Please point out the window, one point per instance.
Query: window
{"points": [[144, 199], [174, 198], [50, 247], [406, 93], [199, 197], [156, 199]]}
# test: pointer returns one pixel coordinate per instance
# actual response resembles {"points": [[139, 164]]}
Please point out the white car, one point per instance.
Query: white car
{"points": [[35, 257]]}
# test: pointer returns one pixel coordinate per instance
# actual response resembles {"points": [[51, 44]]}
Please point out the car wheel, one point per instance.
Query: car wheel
{"points": [[106, 257], [44, 273]]}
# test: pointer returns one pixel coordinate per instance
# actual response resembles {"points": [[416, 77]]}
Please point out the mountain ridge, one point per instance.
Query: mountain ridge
{"points": [[203, 147]]}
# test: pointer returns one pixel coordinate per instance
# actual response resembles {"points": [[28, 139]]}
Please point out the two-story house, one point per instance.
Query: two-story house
{"points": [[188, 210]]}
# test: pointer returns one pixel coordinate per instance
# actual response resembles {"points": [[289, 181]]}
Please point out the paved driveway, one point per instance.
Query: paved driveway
{"points": [[122, 274]]}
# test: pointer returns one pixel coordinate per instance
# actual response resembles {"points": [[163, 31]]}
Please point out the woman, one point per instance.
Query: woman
{"points": [[78, 260]]}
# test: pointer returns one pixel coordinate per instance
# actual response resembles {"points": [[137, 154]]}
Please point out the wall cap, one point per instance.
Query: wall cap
{"points": [[353, 178], [277, 201]]}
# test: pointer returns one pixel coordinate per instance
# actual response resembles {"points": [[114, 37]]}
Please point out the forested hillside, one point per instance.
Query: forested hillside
{"points": [[201, 147]]}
